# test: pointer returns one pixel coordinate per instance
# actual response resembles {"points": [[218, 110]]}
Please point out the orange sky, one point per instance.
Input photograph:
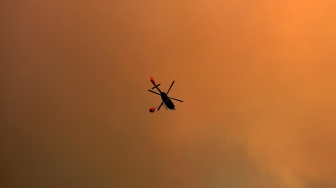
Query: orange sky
{"points": [[257, 77]]}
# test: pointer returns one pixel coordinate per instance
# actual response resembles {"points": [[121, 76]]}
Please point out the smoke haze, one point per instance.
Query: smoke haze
{"points": [[257, 77]]}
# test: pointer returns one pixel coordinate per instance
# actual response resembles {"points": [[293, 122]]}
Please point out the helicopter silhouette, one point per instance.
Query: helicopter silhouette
{"points": [[166, 100]]}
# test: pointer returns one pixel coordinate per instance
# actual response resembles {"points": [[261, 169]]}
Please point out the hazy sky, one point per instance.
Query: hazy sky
{"points": [[257, 77]]}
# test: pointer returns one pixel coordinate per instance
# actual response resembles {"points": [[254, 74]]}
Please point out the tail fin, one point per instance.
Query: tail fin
{"points": [[152, 80]]}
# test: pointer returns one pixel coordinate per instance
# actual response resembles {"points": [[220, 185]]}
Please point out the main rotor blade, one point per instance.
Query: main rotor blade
{"points": [[160, 106], [154, 92], [170, 86], [175, 99]]}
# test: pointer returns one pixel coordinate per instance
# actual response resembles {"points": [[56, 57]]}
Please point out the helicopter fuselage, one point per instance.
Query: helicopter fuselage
{"points": [[165, 99]]}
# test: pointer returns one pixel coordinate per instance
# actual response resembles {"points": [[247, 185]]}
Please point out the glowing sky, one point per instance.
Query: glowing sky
{"points": [[257, 77]]}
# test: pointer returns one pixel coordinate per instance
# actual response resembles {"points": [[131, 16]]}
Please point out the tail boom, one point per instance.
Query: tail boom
{"points": [[153, 82]]}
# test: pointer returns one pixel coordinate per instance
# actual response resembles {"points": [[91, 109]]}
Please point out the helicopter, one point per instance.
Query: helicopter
{"points": [[168, 104]]}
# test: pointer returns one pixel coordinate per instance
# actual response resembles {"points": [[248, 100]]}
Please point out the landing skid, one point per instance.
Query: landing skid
{"points": [[165, 108]]}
